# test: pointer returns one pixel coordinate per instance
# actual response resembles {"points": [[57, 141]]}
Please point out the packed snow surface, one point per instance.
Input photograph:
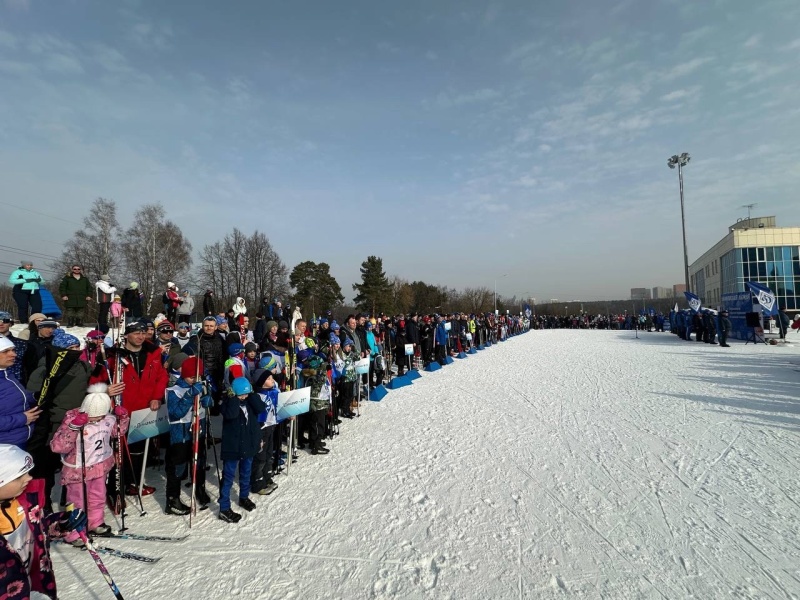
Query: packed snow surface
{"points": [[559, 464]]}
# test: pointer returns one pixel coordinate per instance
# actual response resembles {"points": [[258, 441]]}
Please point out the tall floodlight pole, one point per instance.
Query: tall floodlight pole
{"points": [[681, 161]]}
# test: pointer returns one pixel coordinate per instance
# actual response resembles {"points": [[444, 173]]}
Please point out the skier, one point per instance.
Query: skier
{"points": [[84, 442], [180, 403], [241, 437]]}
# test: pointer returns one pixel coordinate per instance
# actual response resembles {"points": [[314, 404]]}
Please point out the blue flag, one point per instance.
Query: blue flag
{"points": [[765, 297], [694, 301]]}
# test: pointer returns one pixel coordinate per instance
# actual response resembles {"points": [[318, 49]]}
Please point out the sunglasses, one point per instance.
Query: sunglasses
{"points": [[7, 321]]}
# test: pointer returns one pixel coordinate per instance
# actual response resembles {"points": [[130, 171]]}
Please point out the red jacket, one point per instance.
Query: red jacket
{"points": [[139, 391]]}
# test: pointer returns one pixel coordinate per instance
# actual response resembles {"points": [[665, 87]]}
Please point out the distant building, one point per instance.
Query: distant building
{"points": [[753, 250], [640, 293], [659, 293], [678, 289]]}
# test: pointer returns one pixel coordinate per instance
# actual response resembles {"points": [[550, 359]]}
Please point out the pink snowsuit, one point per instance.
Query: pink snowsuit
{"points": [[99, 460]]}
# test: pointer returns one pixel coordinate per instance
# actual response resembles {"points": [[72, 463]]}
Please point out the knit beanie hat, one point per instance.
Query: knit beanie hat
{"points": [[14, 463], [35, 316], [267, 362], [6, 344], [105, 277], [47, 323], [134, 285], [4, 315], [97, 402], [62, 339], [347, 342], [189, 367], [334, 339]]}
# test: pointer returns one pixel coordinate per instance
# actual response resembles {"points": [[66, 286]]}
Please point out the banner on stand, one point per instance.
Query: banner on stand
{"points": [[147, 423], [293, 403]]}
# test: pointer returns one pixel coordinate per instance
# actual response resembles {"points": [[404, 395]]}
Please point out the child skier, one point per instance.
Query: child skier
{"points": [[84, 442], [26, 571], [180, 405], [116, 311], [241, 437], [261, 478]]}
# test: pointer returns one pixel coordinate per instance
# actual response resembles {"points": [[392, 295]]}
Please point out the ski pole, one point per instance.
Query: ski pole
{"points": [[210, 433], [195, 443], [83, 471], [99, 562], [123, 441]]}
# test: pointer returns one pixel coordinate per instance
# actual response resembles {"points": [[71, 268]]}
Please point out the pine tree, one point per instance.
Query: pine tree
{"points": [[317, 289], [375, 293]]}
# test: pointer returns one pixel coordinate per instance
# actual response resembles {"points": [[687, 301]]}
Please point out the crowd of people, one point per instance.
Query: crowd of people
{"points": [[66, 401]]}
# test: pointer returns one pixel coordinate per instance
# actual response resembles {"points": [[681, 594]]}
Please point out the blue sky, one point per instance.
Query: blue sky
{"points": [[457, 140]]}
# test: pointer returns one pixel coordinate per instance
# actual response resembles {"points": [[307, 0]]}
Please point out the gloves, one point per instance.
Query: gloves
{"points": [[74, 519], [120, 411], [79, 421], [206, 401], [196, 389]]}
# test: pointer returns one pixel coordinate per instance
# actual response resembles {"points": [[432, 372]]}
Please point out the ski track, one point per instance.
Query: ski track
{"points": [[559, 464]]}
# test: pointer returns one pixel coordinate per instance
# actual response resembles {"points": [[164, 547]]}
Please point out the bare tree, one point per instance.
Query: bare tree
{"points": [[241, 266], [95, 247], [155, 252], [476, 300]]}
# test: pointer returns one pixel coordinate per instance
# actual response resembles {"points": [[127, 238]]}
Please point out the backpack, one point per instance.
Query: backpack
{"points": [[165, 299]]}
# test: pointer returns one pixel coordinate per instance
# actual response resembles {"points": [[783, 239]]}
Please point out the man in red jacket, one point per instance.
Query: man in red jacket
{"points": [[145, 382]]}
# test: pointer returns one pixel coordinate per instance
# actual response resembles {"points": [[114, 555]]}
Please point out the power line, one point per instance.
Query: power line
{"points": [[29, 252], [41, 213]]}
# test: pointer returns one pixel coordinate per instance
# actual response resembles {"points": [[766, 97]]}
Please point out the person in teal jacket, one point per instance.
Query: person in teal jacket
{"points": [[25, 282]]}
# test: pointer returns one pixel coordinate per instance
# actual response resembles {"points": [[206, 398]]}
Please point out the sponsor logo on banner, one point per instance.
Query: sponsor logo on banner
{"points": [[764, 296], [293, 403], [146, 423], [694, 301]]}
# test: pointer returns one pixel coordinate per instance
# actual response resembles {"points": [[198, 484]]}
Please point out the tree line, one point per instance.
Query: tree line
{"points": [[153, 250]]}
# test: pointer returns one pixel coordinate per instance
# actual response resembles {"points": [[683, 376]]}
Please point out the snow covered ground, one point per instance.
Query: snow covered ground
{"points": [[560, 464]]}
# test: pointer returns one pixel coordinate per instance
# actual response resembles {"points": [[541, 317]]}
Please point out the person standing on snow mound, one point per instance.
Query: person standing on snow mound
{"points": [[172, 301], [105, 296], [25, 282], [75, 291], [26, 571]]}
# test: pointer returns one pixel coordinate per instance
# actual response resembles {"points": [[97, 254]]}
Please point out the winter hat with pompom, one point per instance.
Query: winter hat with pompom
{"points": [[97, 402], [190, 368]]}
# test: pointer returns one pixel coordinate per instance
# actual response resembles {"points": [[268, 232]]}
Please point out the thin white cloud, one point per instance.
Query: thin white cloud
{"points": [[753, 41], [681, 94], [450, 100], [63, 64], [685, 68]]}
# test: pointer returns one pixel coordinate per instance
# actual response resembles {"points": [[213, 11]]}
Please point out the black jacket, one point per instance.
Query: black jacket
{"points": [[241, 436], [131, 300], [412, 332], [212, 351], [208, 304]]}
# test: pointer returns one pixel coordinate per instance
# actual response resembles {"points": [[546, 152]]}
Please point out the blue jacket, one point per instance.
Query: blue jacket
{"points": [[373, 346], [29, 280], [14, 401], [179, 406], [441, 334], [241, 435]]}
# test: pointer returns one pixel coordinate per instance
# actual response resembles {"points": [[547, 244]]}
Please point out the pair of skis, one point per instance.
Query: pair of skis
{"points": [[130, 555]]}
